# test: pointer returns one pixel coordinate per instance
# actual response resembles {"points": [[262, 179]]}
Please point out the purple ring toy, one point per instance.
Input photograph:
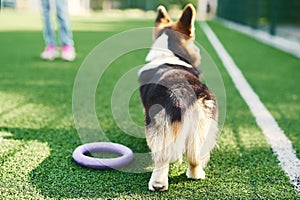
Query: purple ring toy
{"points": [[80, 157]]}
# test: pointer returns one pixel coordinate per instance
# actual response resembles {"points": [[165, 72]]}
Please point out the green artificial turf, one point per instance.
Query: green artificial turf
{"points": [[274, 75], [38, 135]]}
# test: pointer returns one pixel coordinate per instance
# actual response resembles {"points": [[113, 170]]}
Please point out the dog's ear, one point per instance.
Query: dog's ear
{"points": [[161, 21], [187, 20], [162, 16]]}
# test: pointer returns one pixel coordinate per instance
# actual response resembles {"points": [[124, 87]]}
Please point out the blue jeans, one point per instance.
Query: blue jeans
{"points": [[65, 33]]}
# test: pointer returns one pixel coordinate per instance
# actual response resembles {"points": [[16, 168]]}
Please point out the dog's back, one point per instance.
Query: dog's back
{"points": [[175, 88]]}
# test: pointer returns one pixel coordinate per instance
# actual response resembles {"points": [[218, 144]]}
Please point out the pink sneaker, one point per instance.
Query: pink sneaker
{"points": [[50, 53], [68, 53]]}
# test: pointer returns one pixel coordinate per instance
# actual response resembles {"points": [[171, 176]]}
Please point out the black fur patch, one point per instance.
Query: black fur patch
{"points": [[175, 88]]}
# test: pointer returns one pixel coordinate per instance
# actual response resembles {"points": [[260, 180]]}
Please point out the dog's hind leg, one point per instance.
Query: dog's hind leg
{"points": [[199, 143], [196, 164], [158, 140], [159, 177]]}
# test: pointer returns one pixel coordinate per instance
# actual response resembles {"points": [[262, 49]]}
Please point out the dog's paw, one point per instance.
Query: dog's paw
{"points": [[159, 179], [158, 186], [195, 173]]}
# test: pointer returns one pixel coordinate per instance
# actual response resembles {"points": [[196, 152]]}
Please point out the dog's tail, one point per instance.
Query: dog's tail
{"points": [[194, 135]]}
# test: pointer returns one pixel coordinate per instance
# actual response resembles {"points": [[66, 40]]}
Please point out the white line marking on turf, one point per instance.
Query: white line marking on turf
{"points": [[280, 144]]}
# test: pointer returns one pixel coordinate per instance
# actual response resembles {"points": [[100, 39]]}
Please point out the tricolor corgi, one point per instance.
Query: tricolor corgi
{"points": [[180, 111]]}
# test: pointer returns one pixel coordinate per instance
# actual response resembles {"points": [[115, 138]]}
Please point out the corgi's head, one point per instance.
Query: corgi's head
{"points": [[178, 36]]}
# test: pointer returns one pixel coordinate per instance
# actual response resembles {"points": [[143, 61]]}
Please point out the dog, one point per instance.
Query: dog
{"points": [[181, 114]]}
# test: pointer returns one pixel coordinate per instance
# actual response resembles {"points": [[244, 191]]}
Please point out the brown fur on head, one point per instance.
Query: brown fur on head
{"points": [[181, 33]]}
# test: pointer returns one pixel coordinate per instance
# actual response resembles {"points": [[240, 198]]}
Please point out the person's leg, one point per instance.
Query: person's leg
{"points": [[65, 33], [48, 32], [50, 52]]}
